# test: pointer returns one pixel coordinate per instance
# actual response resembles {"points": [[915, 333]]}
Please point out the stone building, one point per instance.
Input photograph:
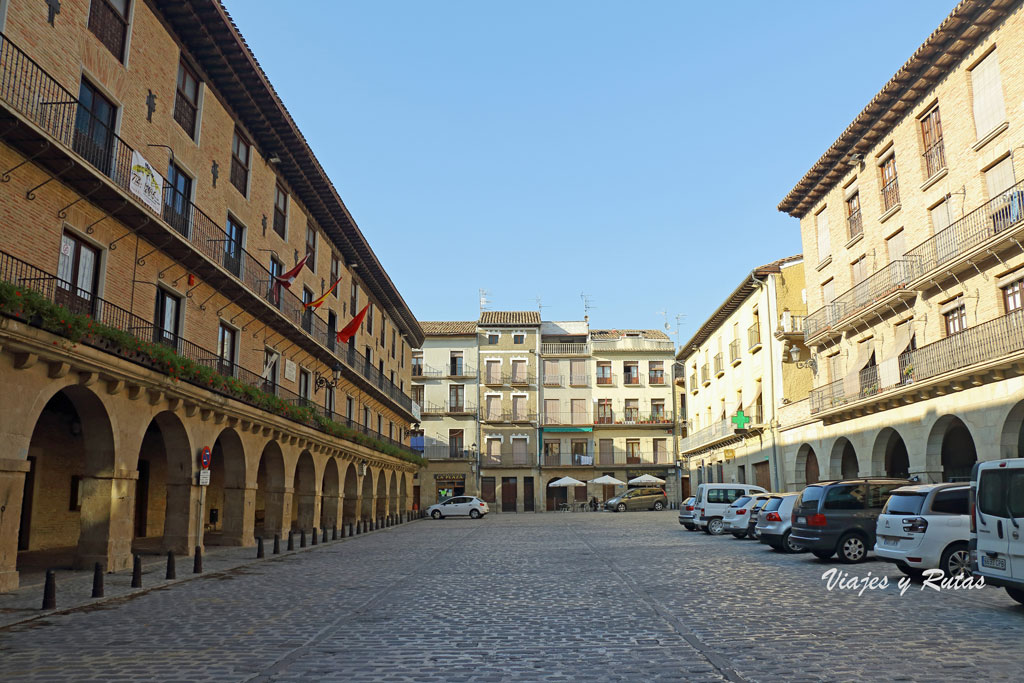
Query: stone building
{"points": [[912, 230], [739, 370], [157, 198]]}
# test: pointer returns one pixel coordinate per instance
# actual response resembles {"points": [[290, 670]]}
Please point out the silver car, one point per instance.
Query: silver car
{"points": [[737, 515], [459, 505], [686, 511], [775, 520]]}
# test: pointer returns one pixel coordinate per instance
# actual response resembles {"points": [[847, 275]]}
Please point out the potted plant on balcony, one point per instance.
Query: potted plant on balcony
{"points": [[908, 374]]}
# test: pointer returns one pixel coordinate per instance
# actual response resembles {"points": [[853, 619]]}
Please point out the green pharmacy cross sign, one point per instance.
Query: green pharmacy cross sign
{"points": [[740, 420]]}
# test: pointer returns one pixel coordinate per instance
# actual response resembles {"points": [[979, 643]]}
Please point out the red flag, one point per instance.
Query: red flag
{"points": [[315, 303], [286, 279], [346, 332]]}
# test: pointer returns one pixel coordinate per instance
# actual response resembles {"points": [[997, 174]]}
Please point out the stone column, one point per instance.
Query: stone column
{"points": [[180, 523], [239, 517], [12, 488], [331, 507], [277, 512], [108, 504], [308, 506]]}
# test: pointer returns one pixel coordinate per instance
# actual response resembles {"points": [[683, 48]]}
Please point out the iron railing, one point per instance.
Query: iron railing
{"points": [[719, 361], [564, 349], [629, 416], [791, 324], [552, 380], [29, 89], [606, 380], [753, 337], [934, 158], [566, 417], [460, 370], [854, 224], [734, 350], [718, 430], [705, 374], [579, 380], [891, 193], [877, 286], [633, 379], [26, 276]]}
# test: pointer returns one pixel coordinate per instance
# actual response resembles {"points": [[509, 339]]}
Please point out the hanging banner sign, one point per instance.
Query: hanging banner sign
{"points": [[145, 183]]}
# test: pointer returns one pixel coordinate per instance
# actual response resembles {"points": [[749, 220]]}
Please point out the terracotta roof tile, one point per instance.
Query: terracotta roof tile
{"points": [[448, 328], [510, 318], [618, 334]]}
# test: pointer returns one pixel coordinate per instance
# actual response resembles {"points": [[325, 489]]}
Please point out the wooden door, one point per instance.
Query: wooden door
{"points": [[487, 489], [761, 476], [509, 494], [78, 273], [528, 494]]}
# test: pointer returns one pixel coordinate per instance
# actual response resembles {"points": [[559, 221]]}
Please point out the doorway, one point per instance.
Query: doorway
{"points": [[528, 494], [762, 476], [509, 494]]}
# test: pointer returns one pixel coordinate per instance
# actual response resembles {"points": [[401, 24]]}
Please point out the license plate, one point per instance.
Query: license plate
{"points": [[890, 540], [993, 562], [801, 520]]}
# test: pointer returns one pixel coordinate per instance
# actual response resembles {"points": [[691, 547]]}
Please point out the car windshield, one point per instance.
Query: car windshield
{"points": [[810, 496], [904, 503], [772, 504], [689, 501], [741, 501], [759, 504]]}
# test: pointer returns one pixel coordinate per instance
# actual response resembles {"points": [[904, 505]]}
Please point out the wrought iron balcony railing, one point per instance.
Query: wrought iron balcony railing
{"points": [[564, 349], [854, 225], [734, 351], [566, 417], [754, 337], [629, 417]]}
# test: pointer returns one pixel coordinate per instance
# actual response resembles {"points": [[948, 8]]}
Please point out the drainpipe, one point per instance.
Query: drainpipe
{"points": [[761, 284]]}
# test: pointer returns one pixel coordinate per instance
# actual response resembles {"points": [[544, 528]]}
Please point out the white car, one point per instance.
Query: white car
{"points": [[459, 505], [997, 524], [926, 527], [712, 502], [737, 517]]}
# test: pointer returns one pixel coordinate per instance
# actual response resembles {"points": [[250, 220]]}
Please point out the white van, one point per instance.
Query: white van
{"points": [[997, 524], [712, 502]]}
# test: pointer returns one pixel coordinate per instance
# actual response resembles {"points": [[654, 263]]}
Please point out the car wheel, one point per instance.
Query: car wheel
{"points": [[621, 507], [912, 572], [690, 527], [852, 549], [739, 534], [659, 506], [823, 554], [716, 526], [956, 560], [475, 514], [436, 514], [788, 545], [1016, 593]]}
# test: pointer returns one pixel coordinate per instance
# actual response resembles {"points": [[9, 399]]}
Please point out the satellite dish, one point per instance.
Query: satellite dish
{"points": [[666, 326]]}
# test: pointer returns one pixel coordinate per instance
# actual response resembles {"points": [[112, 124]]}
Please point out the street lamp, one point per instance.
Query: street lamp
{"points": [[794, 355], [321, 381]]}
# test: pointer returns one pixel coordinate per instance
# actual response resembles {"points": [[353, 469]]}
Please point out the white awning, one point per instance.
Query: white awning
{"points": [[889, 368], [851, 382]]}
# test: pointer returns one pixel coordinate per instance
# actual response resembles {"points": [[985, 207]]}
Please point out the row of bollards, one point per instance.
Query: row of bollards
{"points": [[349, 530]]}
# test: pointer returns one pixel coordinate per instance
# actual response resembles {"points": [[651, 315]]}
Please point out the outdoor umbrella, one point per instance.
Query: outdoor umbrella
{"points": [[646, 479], [608, 479], [566, 482]]}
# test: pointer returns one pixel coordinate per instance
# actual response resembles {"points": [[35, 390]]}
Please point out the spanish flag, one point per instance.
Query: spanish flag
{"points": [[315, 303], [346, 332]]}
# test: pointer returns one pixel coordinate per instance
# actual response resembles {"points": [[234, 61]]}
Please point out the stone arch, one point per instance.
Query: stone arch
{"points": [[382, 495], [304, 493], [350, 511], [164, 488], [951, 448], [843, 463], [224, 510], [393, 494], [1011, 444], [330, 496], [367, 511], [268, 508], [403, 493], [555, 495], [889, 456], [807, 465], [66, 510]]}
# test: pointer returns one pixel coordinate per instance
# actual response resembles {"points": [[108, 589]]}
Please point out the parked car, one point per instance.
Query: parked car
{"points": [[735, 518], [926, 527], [686, 514], [714, 499], [755, 512], [775, 521], [997, 515], [459, 505], [638, 499], [840, 516]]}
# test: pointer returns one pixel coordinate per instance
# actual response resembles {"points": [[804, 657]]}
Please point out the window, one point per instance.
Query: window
{"points": [[846, 497], [493, 372], [494, 448], [579, 454], [75, 502], [657, 410], [931, 135], [304, 382], [270, 370], [227, 340], [307, 313], [890, 183], [281, 211], [366, 416], [311, 247], [329, 401], [519, 408], [186, 100], [77, 274], [350, 406], [656, 372], [492, 339], [456, 397], [519, 372], [394, 340], [454, 362], [417, 363], [233, 246], [604, 372], [824, 239], [951, 502], [859, 268], [108, 20], [578, 373], [880, 494], [956, 320], [604, 412], [166, 319], [177, 199], [1012, 296], [853, 222], [999, 178], [940, 217], [578, 408], [552, 452], [94, 127], [828, 291], [987, 90], [632, 451], [369, 321], [276, 270], [630, 372], [369, 356], [417, 394], [518, 338], [660, 451], [632, 412], [896, 246], [240, 152], [353, 297], [493, 406]]}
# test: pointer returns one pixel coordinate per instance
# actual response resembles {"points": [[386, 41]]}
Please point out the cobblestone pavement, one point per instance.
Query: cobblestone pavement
{"points": [[530, 597]]}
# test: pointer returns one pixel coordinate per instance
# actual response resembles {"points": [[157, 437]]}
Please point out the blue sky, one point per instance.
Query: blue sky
{"points": [[633, 151]]}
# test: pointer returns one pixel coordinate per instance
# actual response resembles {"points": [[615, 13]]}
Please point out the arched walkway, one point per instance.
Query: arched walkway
{"points": [[304, 494], [807, 465], [164, 489], [951, 446], [889, 455], [382, 495], [330, 492], [349, 512], [843, 464], [367, 512], [224, 510], [268, 509], [1011, 444], [66, 515]]}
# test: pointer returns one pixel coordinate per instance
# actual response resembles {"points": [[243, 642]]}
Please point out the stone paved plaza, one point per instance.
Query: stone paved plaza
{"points": [[583, 597]]}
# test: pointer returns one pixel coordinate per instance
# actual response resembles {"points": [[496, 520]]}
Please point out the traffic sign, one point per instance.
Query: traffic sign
{"points": [[204, 477], [205, 458]]}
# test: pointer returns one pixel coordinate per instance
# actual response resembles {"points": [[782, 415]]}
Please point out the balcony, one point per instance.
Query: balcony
{"points": [[187, 235], [632, 379], [97, 323], [854, 226], [734, 353], [450, 408], [426, 372], [934, 159], [553, 418], [693, 382], [520, 379], [493, 379], [983, 348], [883, 288], [579, 380], [719, 361], [509, 417], [754, 337], [629, 418], [704, 438], [632, 344], [891, 194], [460, 371], [608, 380], [996, 222], [552, 380], [705, 375], [560, 349], [444, 451], [505, 457], [790, 326]]}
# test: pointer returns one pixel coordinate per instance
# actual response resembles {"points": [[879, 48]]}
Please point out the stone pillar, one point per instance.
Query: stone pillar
{"points": [[331, 507], [180, 523], [356, 512], [277, 512], [12, 488], [308, 505], [108, 505], [239, 516]]}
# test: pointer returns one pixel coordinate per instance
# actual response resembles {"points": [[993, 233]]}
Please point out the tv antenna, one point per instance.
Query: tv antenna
{"points": [[484, 301], [586, 304], [669, 330], [540, 305]]}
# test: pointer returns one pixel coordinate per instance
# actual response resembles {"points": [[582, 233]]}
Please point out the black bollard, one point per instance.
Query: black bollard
{"points": [[50, 591], [197, 564], [349, 530], [277, 544], [302, 538], [259, 548], [334, 532], [314, 535], [97, 580], [358, 525], [324, 539], [171, 573], [291, 540], [137, 572]]}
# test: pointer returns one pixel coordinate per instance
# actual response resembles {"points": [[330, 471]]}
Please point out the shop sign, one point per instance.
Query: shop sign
{"points": [[145, 183], [445, 476]]}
